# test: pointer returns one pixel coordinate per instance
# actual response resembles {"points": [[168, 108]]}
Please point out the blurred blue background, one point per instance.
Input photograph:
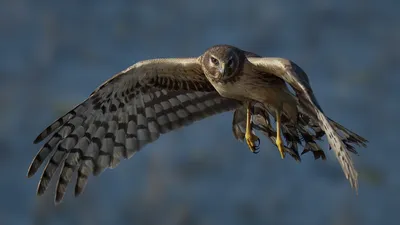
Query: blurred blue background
{"points": [[53, 54]]}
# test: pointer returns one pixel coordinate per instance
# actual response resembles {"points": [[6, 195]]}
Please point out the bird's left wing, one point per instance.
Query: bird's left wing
{"points": [[297, 78], [122, 115]]}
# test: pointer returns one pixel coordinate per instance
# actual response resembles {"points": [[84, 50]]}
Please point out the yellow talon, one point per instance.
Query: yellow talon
{"points": [[279, 142], [251, 139]]}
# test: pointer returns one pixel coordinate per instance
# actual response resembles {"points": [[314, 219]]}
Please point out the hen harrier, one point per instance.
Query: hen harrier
{"points": [[152, 97]]}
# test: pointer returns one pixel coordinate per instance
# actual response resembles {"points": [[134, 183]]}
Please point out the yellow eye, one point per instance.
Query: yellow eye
{"points": [[214, 61]]}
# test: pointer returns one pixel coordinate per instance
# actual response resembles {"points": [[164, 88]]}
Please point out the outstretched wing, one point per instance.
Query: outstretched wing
{"points": [[121, 116], [298, 79]]}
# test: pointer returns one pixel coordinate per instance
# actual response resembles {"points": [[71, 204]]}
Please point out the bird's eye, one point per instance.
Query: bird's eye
{"points": [[230, 63], [214, 61]]}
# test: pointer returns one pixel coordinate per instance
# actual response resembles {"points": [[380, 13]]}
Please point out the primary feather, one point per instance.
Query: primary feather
{"points": [[123, 115]]}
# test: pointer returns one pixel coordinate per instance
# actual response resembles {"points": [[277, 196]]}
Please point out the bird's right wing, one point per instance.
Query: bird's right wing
{"points": [[297, 78], [121, 116]]}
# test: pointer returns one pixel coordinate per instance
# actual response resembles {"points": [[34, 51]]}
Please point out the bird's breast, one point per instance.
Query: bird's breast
{"points": [[269, 90], [229, 90], [239, 89]]}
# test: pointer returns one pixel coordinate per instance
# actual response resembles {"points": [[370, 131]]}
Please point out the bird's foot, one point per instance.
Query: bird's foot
{"points": [[252, 141], [279, 142]]}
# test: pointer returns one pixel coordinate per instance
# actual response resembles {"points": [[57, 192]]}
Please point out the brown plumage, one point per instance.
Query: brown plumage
{"points": [[152, 97]]}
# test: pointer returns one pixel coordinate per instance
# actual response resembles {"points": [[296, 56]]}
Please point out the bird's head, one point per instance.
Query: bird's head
{"points": [[222, 62]]}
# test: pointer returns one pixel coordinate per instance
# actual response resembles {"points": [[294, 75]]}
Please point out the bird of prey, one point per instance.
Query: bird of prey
{"points": [[156, 96]]}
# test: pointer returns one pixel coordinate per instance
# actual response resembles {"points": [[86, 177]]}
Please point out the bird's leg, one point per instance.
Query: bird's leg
{"points": [[251, 139], [279, 142]]}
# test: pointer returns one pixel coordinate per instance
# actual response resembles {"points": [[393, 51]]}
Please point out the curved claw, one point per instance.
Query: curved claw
{"points": [[253, 142], [256, 151], [256, 143]]}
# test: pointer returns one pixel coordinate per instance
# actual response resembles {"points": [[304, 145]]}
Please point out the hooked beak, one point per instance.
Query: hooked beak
{"points": [[222, 69]]}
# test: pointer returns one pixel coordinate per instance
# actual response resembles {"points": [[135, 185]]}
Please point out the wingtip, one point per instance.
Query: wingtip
{"points": [[40, 190], [58, 199], [30, 173], [37, 140], [77, 192], [31, 170], [355, 187], [353, 178]]}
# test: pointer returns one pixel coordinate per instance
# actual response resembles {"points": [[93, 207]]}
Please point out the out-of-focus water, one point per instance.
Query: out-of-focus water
{"points": [[53, 54]]}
